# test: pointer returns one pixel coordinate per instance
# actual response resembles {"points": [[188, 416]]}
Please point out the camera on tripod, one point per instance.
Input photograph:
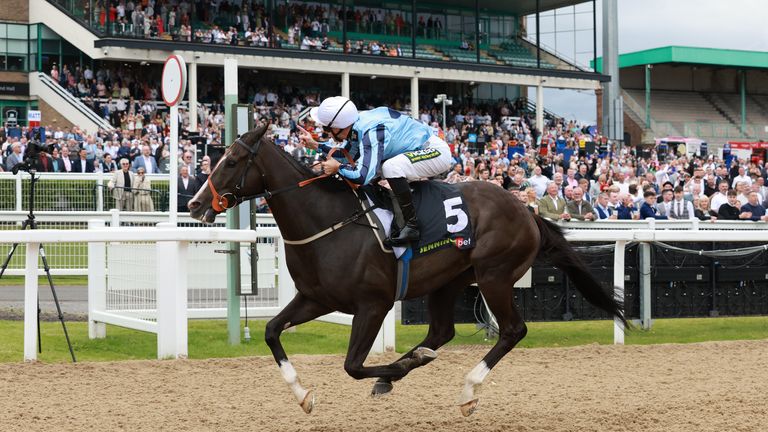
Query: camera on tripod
{"points": [[35, 146]]}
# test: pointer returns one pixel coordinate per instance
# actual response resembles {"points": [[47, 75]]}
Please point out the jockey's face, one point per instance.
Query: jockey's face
{"points": [[340, 134]]}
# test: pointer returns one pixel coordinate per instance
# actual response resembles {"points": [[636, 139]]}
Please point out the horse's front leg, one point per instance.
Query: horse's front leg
{"points": [[365, 327], [298, 311]]}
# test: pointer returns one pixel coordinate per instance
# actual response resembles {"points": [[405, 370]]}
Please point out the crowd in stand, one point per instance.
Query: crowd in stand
{"points": [[247, 23], [550, 171]]}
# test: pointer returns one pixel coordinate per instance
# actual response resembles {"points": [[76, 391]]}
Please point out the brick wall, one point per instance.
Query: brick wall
{"points": [[14, 10], [14, 77], [634, 130], [51, 117]]}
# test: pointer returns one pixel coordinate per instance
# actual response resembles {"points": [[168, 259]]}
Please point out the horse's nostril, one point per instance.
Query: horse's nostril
{"points": [[193, 204]]}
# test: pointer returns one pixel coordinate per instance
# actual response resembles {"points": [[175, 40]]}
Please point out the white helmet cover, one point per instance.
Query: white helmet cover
{"points": [[335, 112]]}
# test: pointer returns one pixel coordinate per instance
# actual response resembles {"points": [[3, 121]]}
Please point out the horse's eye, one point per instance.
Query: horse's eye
{"points": [[231, 163]]}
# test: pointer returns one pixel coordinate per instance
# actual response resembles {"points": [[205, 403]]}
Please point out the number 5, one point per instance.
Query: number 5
{"points": [[453, 208]]}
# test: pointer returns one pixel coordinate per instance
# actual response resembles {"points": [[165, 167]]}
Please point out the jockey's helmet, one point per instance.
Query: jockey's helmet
{"points": [[335, 112]]}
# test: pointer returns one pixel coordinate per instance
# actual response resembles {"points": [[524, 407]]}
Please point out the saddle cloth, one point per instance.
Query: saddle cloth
{"points": [[441, 210]]}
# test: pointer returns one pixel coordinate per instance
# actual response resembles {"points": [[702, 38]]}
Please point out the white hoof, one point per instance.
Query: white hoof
{"points": [[309, 402], [468, 408]]}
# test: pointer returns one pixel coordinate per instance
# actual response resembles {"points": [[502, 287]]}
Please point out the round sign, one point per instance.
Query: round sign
{"points": [[174, 79]]}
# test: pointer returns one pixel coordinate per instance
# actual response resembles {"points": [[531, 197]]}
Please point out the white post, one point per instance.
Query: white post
{"points": [[286, 289], [385, 339], [18, 193], [97, 282], [30, 302], [618, 283], [193, 95], [100, 192], [345, 84], [171, 298], [173, 191], [415, 97], [540, 107], [115, 221], [645, 285]]}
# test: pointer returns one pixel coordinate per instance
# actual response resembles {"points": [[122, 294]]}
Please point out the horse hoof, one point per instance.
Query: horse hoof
{"points": [[468, 408], [309, 402], [424, 355], [381, 388]]}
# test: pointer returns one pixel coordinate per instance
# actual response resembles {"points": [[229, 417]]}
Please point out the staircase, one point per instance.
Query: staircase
{"points": [[48, 90], [720, 107]]}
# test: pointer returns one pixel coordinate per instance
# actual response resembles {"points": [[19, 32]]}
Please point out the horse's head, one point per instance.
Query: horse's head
{"points": [[234, 177]]}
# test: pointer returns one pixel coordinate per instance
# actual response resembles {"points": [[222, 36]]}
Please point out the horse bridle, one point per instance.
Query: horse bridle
{"points": [[220, 202]]}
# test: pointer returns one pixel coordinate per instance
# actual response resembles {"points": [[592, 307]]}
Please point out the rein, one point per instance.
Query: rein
{"points": [[221, 203]]}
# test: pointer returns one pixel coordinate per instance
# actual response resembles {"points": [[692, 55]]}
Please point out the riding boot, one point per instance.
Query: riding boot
{"points": [[410, 231]]}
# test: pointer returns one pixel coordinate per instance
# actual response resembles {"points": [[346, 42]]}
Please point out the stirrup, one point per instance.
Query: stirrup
{"points": [[412, 235]]}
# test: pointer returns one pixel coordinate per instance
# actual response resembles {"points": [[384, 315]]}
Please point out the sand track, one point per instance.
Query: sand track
{"points": [[719, 386]]}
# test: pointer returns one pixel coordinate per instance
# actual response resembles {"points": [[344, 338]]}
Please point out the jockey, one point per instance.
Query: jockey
{"points": [[382, 139]]}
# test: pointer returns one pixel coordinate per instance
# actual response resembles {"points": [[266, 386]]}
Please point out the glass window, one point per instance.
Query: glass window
{"points": [[18, 31], [17, 62], [3, 31], [50, 46], [17, 46], [49, 34]]}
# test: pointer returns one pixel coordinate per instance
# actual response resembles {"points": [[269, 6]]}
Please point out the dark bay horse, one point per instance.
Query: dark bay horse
{"points": [[347, 271]]}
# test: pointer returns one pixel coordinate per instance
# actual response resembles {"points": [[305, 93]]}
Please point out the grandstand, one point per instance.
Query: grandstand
{"points": [[485, 47], [713, 94]]}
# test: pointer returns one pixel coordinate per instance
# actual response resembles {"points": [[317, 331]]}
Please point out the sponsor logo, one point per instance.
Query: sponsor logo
{"points": [[462, 242], [422, 155]]}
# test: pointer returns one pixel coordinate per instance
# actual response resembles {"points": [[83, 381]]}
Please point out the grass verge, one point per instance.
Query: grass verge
{"points": [[208, 338]]}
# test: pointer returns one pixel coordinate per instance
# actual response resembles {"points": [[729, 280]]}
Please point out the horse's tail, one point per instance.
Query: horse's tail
{"points": [[556, 249]]}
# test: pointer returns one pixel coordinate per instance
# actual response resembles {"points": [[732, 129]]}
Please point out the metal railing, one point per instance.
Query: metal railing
{"points": [[141, 278], [68, 192], [75, 102]]}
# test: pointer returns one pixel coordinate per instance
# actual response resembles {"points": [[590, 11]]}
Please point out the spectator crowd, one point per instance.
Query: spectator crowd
{"points": [[564, 172]]}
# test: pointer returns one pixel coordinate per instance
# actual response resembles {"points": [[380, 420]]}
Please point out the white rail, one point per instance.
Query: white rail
{"points": [[171, 313]]}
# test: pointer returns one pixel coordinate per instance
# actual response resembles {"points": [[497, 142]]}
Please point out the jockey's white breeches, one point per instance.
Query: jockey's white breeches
{"points": [[434, 159]]}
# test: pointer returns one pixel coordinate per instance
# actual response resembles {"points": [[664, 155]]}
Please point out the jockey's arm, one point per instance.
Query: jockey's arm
{"points": [[371, 152]]}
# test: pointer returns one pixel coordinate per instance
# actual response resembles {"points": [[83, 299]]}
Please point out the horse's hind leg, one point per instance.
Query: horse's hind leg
{"points": [[441, 330], [496, 286], [298, 311]]}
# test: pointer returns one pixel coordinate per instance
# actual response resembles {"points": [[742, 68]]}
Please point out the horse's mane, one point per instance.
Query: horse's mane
{"points": [[329, 184]]}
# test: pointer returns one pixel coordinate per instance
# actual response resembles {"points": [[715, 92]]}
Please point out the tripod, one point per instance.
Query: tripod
{"points": [[32, 224]]}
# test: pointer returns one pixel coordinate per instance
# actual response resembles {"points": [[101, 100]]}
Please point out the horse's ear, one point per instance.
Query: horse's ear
{"points": [[260, 131], [253, 136]]}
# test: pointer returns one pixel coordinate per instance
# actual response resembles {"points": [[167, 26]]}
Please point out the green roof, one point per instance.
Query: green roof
{"points": [[694, 56]]}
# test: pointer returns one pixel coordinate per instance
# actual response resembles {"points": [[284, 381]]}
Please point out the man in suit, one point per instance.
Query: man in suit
{"points": [[66, 162], [146, 160], [578, 208], [648, 209], [82, 164], [187, 188], [664, 206], [680, 208], [14, 158], [602, 210], [552, 206], [121, 183]]}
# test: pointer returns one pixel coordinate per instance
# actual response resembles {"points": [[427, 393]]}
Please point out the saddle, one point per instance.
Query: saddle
{"points": [[441, 210]]}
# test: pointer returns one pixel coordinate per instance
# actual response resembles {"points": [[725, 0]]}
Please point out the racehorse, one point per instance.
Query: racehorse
{"points": [[347, 270]]}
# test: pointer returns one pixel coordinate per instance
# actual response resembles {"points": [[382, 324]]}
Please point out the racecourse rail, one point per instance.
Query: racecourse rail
{"points": [[169, 312]]}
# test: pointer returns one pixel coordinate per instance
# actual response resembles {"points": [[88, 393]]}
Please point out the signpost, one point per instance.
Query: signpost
{"points": [[33, 118], [174, 85]]}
